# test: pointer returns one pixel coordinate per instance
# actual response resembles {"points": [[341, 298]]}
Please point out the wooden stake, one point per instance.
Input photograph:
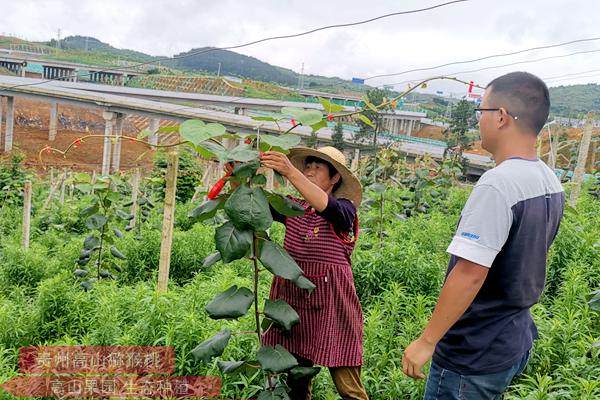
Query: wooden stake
{"points": [[62, 186], [53, 190], [135, 189], [168, 217], [27, 193], [93, 180]]}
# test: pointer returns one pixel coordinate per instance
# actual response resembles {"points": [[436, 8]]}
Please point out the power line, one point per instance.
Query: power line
{"points": [[506, 65], [263, 40], [573, 78], [551, 78], [486, 57]]}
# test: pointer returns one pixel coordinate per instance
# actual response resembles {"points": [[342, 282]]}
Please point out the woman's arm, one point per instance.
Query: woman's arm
{"points": [[315, 196]]}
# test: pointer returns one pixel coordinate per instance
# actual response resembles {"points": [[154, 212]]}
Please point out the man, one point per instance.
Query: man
{"points": [[481, 332]]}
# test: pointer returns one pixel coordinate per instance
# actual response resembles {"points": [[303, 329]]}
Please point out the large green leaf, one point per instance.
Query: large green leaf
{"points": [[278, 393], [116, 253], [304, 372], [330, 107], [86, 212], [247, 169], [304, 283], [591, 350], [276, 359], [90, 242], [95, 221], [229, 367], [285, 142], [281, 313], [232, 303], [377, 187], [232, 243], [196, 131], [211, 260], [285, 206], [212, 347], [243, 153], [319, 125], [278, 261], [212, 150], [305, 117], [595, 301], [206, 210], [366, 120], [144, 134], [248, 208]]}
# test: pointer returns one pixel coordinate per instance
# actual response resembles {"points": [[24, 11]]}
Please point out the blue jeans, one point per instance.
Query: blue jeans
{"points": [[443, 384]]}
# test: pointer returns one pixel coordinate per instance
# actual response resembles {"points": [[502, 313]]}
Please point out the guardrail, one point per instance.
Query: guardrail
{"points": [[412, 139]]}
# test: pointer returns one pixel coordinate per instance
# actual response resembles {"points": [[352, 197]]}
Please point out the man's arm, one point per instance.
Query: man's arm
{"points": [[461, 287]]}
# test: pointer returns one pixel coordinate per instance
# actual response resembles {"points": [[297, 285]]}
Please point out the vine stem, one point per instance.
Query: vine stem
{"points": [[98, 264], [256, 271]]}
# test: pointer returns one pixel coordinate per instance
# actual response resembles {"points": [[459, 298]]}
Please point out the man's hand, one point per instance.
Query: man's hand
{"points": [[415, 356], [461, 287], [278, 162]]}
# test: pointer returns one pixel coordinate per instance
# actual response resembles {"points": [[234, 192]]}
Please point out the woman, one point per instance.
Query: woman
{"points": [[321, 242]]}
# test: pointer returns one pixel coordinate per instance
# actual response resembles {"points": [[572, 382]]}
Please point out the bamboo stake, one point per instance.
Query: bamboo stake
{"points": [[168, 217]]}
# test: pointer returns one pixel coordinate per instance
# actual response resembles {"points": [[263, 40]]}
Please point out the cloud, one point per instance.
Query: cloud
{"points": [[461, 31]]}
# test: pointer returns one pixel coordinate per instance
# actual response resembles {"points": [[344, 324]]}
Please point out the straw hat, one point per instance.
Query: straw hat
{"points": [[350, 187]]}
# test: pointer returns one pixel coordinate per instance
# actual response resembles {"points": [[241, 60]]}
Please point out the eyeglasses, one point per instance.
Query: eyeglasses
{"points": [[478, 112]]}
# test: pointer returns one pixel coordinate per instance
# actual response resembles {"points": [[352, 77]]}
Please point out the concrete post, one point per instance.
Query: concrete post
{"points": [[27, 193], [75, 74], [52, 125], [410, 127], [354, 165], [22, 71], [108, 129], [153, 127], [584, 148], [116, 161], [10, 121]]}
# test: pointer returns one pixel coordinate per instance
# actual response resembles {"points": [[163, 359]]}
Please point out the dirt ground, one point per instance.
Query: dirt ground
{"points": [[31, 136]]}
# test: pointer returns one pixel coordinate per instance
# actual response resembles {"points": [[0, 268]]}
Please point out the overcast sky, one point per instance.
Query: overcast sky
{"points": [[455, 32]]}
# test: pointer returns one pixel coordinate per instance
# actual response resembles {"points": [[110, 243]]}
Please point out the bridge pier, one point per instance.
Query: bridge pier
{"points": [[116, 161], [52, 125], [108, 130], [10, 123]]}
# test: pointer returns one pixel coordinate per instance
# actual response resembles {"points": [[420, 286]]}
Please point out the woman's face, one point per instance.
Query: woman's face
{"points": [[318, 173]]}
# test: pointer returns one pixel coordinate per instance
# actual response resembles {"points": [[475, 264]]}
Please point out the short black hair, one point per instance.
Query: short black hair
{"points": [[330, 167], [525, 96]]}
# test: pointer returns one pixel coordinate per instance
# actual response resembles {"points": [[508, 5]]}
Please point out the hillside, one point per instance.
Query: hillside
{"points": [[575, 99], [566, 100], [90, 44]]}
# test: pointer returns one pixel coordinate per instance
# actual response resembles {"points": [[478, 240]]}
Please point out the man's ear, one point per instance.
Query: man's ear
{"points": [[502, 120]]}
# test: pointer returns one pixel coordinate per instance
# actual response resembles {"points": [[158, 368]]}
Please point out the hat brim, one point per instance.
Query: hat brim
{"points": [[350, 188]]}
